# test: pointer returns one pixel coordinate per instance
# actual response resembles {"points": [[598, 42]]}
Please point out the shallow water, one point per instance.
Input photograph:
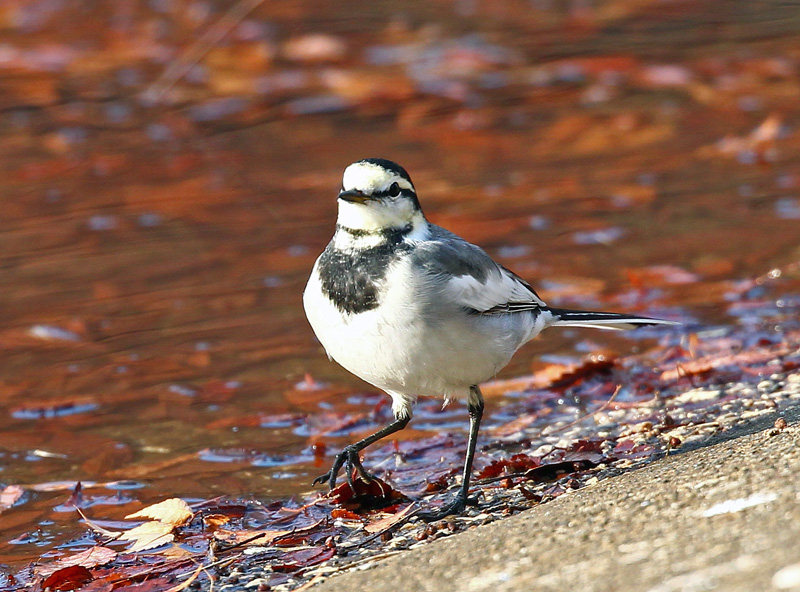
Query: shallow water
{"points": [[639, 159]]}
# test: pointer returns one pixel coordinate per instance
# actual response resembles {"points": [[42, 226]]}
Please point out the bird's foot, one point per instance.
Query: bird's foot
{"points": [[457, 506], [351, 461]]}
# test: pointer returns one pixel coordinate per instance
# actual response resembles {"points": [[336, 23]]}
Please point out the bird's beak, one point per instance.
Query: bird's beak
{"points": [[354, 196]]}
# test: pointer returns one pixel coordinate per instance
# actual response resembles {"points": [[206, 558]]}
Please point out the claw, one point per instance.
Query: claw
{"points": [[455, 507], [320, 479], [364, 474], [349, 459]]}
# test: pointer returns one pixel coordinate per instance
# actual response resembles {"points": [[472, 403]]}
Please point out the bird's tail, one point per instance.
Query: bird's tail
{"points": [[601, 320]]}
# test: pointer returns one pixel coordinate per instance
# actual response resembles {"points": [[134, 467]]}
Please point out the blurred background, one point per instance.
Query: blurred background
{"points": [[170, 171]]}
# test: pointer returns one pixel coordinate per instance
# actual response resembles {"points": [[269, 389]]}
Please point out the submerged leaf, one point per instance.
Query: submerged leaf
{"points": [[68, 578], [91, 557]]}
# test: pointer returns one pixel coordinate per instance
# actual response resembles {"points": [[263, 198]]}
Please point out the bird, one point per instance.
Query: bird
{"points": [[416, 310]]}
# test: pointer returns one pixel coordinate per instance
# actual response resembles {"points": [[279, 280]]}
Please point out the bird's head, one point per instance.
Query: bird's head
{"points": [[376, 195]]}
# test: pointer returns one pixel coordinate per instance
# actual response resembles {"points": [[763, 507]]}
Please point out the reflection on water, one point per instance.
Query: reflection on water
{"points": [[154, 251]]}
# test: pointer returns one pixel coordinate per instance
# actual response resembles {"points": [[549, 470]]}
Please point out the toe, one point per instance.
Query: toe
{"points": [[455, 507]]}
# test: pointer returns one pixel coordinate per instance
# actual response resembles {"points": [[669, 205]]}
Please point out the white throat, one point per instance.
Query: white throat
{"points": [[370, 224], [373, 216]]}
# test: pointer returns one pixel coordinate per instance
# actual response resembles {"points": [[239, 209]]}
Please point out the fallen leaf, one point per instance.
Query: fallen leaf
{"points": [[214, 521], [60, 485], [518, 463], [10, 496], [173, 511], [294, 560], [365, 494], [68, 578], [148, 536], [585, 450], [346, 514], [91, 557], [388, 521]]}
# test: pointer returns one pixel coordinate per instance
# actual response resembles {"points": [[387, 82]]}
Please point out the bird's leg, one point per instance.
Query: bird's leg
{"points": [[475, 407], [349, 458]]}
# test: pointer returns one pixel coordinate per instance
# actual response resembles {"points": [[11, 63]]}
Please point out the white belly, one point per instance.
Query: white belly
{"points": [[413, 345]]}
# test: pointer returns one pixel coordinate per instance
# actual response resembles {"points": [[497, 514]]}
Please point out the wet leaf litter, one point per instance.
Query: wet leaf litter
{"points": [[454, 91], [590, 425]]}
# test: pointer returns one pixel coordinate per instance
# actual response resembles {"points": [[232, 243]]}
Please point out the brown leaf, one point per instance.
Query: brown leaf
{"points": [[388, 521], [173, 511], [214, 521], [91, 557]]}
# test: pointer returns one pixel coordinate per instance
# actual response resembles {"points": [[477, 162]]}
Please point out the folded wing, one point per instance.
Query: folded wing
{"points": [[470, 278]]}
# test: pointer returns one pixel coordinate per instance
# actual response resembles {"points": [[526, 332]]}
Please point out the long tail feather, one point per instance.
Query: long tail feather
{"points": [[602, 320]]}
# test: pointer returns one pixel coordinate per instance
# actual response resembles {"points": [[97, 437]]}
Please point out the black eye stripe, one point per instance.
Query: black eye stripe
{"points": [[388, 193]]}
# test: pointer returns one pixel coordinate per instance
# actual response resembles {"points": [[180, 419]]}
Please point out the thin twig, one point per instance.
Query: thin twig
{"points": [[410, 514], [590, 414], [216, 33], [489, 480], [215, 564], [244, 542], [309, 583], [187, 583]]}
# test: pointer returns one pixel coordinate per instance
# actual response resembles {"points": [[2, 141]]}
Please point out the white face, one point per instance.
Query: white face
{"points": [[379, 209]]}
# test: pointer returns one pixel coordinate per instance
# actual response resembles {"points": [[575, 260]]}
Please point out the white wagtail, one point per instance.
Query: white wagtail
{"points": [[416, 310]]}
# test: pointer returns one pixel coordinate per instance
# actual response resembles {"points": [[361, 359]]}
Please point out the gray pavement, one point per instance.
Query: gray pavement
{"points": [[725, 516]]}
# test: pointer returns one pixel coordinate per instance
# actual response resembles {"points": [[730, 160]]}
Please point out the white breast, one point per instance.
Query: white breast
{"points": [[417, 341]]}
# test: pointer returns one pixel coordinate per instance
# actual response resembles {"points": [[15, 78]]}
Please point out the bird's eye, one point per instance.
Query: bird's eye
{"points": [[394, 190]]}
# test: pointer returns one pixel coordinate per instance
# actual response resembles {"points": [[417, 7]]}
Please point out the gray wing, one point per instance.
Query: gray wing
{"points": [[470, 278]]}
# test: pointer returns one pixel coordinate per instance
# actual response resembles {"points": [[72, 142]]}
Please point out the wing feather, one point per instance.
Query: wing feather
{"points": [[471, 279]]}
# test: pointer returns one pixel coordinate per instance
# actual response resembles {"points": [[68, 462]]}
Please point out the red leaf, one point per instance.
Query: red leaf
{"points": [[290, 541], [436, 483], [519, 463], [69, 578], [366, 495], [342, 513], [630, 450], [585, 450]]}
